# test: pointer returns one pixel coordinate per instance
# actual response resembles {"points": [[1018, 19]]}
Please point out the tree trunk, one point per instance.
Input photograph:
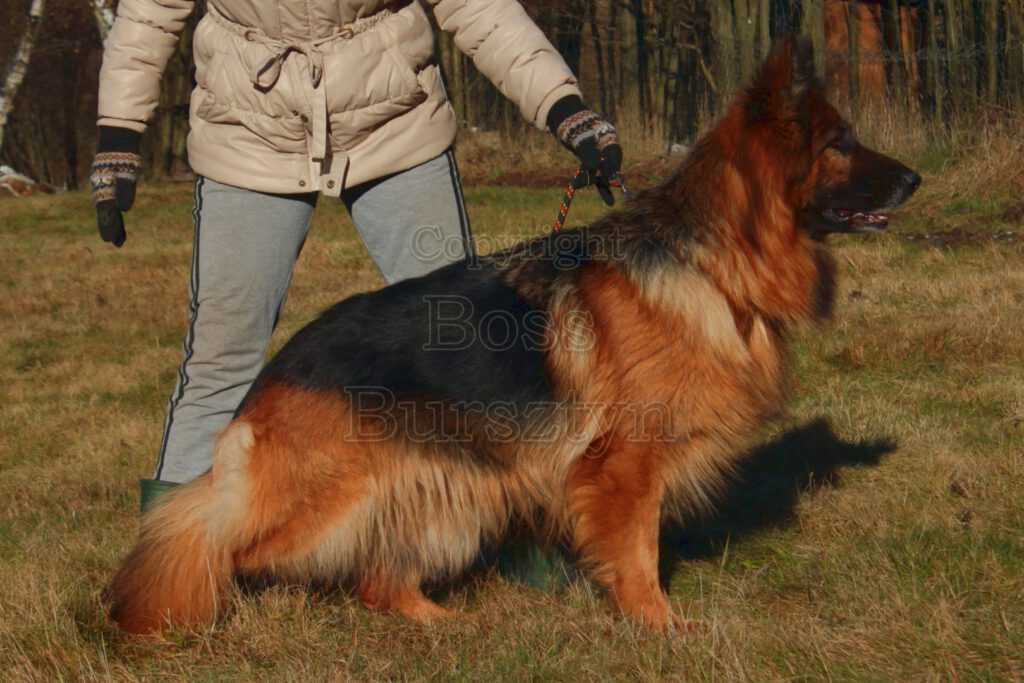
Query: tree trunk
{"points": [[568, 38], [969, 48], [446, 53], [612, 36], [893, 31], [104, 17], [642, 65], [814, 26], [934, 75], [1015, 48], [596, 8], [909, 47], [459, 87], [667, 59], [953, 56], [992, 50], [724, 49], [469, 106], [764, 14], [853, 50], [19, 65], [745, 32], [71, 90]]}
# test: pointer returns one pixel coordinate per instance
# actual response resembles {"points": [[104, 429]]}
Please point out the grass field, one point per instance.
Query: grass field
{"points": [[878, 535]]}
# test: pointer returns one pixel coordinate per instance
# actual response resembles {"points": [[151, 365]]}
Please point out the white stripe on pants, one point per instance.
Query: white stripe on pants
{"points": [[244, 250]]}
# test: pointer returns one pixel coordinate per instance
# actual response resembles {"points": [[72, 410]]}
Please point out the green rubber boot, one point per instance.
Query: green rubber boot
{"points": [[150, 491], [524, 561]]}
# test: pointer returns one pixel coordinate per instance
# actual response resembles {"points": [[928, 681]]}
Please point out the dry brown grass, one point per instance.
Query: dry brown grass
{"points": [[533, 158], [878, 535], [975, 155]]}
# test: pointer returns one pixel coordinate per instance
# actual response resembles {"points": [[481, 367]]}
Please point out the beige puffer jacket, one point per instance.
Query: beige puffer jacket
{"points": [[303, 95]]}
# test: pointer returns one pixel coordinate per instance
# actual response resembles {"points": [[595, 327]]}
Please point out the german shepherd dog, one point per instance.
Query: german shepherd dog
{"points": [[625, 366]]}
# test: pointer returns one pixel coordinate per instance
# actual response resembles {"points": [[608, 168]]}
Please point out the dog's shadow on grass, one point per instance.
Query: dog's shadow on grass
{"points": [[766, 488], [763, 493]]}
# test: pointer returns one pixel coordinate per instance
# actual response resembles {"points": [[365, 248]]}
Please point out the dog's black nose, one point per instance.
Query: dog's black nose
{"points": [[912, 181]]}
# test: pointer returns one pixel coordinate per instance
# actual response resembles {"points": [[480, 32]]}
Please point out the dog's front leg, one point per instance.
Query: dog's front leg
{"points": [[388, 594], [615, 497]]}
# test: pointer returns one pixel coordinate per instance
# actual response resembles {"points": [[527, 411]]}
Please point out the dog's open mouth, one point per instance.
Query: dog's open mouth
{"points": [[858, 221]]}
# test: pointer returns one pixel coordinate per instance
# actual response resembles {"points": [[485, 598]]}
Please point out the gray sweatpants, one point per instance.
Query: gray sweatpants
{"points": [[244, 249]]}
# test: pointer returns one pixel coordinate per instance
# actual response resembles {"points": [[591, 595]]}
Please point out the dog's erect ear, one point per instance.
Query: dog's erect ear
{"points": [[788, 70], [804, 74], [777, 93]]}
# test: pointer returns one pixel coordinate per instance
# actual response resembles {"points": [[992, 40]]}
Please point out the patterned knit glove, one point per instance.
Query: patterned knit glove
{"points": [[115, 170], [591, 138]]}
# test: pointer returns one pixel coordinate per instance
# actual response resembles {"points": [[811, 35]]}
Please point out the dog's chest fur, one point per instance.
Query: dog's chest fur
{"points": [[660, 354]]}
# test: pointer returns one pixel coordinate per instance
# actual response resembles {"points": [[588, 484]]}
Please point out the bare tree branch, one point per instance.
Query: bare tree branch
{"points": [[19, 65]]}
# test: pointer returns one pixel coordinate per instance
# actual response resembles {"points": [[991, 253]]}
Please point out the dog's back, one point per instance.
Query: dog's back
{"points": [[577, 384]]}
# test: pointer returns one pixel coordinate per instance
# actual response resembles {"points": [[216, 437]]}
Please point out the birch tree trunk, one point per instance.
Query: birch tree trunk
{"points": [[104, 17], [19, 65]]}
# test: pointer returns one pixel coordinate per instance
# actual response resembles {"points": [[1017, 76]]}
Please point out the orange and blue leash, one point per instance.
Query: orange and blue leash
{"points": [[579, 181]]}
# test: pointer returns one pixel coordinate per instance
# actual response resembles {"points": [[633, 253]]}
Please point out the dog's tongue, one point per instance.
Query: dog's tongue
{"points": [[875, 220], [878, 221]]}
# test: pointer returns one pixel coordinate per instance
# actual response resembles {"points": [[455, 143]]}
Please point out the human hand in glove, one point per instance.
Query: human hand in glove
{"points": [[115, 172], [592, 139]]}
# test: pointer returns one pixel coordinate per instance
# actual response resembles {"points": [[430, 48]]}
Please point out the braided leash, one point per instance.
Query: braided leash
{"points": [[579, 181]]}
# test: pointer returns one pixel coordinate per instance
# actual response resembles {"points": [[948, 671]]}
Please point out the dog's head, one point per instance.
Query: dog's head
{"points": [[831, 181]]}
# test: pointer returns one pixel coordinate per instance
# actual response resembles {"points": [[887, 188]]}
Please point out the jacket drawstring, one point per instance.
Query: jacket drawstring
{"points": [[264, 76]]}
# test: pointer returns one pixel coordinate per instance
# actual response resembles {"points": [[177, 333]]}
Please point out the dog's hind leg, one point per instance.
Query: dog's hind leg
{"points": [[386, 594], [308, 486], [615, 499]]}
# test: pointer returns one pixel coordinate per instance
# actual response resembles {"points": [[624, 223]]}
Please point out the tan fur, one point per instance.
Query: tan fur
{"points": [[665, 364], [181, 566], [299, 497]]}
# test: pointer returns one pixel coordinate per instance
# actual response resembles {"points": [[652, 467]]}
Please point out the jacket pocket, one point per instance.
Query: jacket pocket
{"points": [[364, 72], [350, 128], [225, 66], [280, 133]]}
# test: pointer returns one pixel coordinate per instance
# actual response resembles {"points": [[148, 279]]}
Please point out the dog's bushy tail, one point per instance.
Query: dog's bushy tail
{"points": [[181, 568]]}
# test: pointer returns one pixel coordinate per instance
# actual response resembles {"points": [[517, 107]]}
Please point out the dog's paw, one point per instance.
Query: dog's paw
{"points": [[681, 627], [425, 612]]}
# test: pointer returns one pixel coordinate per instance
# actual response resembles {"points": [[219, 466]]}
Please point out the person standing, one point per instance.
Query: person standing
{"points": [[296, 99]]}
